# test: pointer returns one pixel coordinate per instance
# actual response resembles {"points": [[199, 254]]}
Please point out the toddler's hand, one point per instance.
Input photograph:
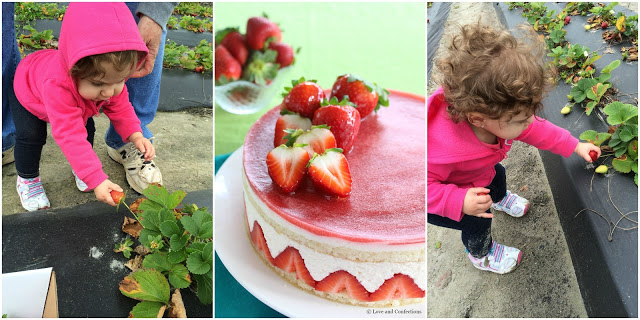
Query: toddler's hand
{"points": [[477, 205], [144, 145], [103, 192], [583, 149]]}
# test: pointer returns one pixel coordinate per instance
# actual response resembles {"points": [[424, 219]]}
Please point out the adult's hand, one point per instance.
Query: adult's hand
{"points": [[151, 33]]}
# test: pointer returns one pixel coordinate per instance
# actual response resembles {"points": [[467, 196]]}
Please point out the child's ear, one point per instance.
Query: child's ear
{"points": [[476, 119]]}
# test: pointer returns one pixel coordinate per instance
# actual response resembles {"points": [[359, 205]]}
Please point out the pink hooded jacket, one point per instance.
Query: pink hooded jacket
{"points": [[458, 161], [45, 88]]}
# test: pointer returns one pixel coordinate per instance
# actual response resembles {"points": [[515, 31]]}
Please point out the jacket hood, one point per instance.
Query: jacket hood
{"points": [[91, 28], [448, 141]]}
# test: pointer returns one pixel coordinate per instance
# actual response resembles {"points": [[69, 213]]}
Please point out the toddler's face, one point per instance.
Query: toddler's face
{"points": [[99, 88], [506, 128]]}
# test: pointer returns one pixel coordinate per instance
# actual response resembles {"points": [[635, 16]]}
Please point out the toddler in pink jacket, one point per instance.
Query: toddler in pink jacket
{"points": [[99, 48], [491, 90]]}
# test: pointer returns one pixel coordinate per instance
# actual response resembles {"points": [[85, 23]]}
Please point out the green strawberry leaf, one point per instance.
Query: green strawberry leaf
{"points": [[205, 287], [195, 247], [597, 138], [146, 235], [175, 198], [158, 261], [170, 228], [628, 132], [179, 276], [614, 64], [622, 164], [619, 112], [146, 285], [148, 309], [197, 264], [632, 150], [190, 225], [207, 252], [178, 241], [205, 224], [177, 256], [590, 106]]}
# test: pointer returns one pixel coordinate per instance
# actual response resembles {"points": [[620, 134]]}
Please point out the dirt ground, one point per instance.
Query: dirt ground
{"points": [[184, 154], [545, 284]]}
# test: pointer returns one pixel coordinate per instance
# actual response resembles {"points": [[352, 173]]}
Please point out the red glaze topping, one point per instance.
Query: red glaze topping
{"points": [[387, 164]]}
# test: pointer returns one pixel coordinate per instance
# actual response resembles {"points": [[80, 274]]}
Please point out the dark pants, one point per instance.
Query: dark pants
{"points": [[476, 232], [31, 136]]}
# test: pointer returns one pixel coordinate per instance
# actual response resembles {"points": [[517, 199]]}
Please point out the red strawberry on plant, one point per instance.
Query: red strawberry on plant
{"points": [[303, 97], [365, 95], [287, 166], [227, 67], [285, 53], [330, 173], [604, 25], [199, 69], [234, 41], [342, 118], [261, 68], [289, 120], [316, 140], [567, 19], [259, 30]]}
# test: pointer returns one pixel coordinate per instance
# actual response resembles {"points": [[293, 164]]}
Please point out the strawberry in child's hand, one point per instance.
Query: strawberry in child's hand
{"points": [[329, 172], [593, 154], [343, 120], [261, 68], [227, 67], [304, 97], [285, 53], [287, 166], [117, 196], [316, 140], [259, 30], [365, 95], [234, 41], [289, 120]]}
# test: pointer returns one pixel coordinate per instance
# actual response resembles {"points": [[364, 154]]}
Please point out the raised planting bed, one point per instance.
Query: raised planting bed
{"points": [[78, 243], [603, 244]]}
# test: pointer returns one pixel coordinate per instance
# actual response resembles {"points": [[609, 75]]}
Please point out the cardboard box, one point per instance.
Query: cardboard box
{"points": [[30, 294]]}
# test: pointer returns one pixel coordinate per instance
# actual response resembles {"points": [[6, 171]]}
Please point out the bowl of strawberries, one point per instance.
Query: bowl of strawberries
{"points": [[250, 67]]}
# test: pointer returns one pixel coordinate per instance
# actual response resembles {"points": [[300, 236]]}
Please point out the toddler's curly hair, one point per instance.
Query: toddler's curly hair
{"points": [[90, 66], [491, 72]]}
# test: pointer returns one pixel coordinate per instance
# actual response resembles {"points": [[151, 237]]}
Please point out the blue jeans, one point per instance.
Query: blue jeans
{"points": [[10, 60], [476, 231], [144, 93]]}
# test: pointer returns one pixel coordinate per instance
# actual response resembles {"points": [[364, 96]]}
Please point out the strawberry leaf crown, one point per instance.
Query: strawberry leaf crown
{"points": [[325, 152], [220, 34], [383, 94], [334, 102], [262, 67], [295, 83]]}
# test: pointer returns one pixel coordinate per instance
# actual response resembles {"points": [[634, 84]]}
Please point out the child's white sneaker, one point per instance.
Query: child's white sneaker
{"points": [[32, 194], [512, 204], [500, 259], [80, 184], [140, 173]]}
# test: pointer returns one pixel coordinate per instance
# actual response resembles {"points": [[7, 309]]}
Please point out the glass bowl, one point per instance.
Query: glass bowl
{"points": [[244, 97]]}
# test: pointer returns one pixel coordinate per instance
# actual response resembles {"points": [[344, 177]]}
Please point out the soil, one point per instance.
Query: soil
{"points": [[184, 154], [545, 284]]}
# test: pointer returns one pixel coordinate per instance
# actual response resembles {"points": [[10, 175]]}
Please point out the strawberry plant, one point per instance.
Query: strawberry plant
{"points": [[188, 58], [172, 23], [194, 24], [36, 40], [194, 9], [593, 89], [623, 142], [578, 8], [29, 11], [571, 59], [602, 13], [177, 251]]}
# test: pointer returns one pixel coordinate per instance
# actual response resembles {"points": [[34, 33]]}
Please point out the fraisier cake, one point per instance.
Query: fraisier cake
{"points": [[366, 249]]}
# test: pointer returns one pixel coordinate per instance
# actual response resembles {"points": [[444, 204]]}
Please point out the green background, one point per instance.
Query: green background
{"points": [[381, 42]]}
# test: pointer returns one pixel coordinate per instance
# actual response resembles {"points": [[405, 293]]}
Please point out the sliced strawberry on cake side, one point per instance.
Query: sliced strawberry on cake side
{"points": [[399, 287], [318, 139], [290, 260], [343, 282], [289, 120], [260, 243], [330, 173], [365, 95], [287, 166], [303, 97], [342, 118]]}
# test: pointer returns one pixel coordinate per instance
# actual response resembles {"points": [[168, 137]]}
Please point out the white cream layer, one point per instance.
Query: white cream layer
{"points": [[370, 274]]}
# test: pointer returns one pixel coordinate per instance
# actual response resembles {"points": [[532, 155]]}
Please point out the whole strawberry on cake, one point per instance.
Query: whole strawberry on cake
{"points": [[334, 190]]}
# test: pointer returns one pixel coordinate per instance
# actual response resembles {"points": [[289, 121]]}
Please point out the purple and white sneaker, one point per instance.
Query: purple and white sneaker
{"points": [[512, 204], [500, 259]]}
